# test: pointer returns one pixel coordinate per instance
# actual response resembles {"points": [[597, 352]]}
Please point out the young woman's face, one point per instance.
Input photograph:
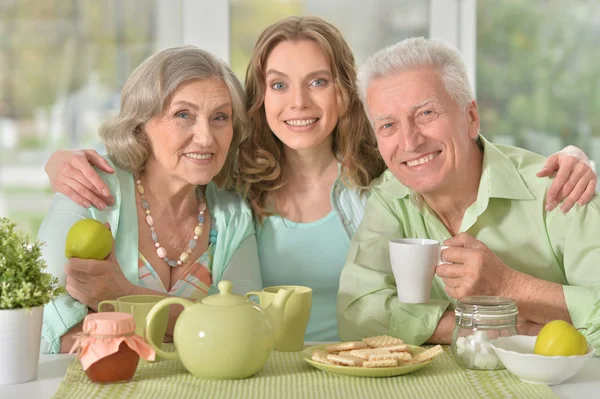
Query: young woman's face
{"points": [[302, 105]]}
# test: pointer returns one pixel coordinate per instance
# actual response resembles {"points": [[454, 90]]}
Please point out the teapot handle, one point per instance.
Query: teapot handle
{"points": [[152, 324]]}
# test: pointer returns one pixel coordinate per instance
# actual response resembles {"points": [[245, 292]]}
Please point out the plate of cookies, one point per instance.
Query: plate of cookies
{"points": [[381, 356]]}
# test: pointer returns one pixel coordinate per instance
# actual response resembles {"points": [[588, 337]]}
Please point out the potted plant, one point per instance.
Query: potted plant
{"points": [[24, 290]]}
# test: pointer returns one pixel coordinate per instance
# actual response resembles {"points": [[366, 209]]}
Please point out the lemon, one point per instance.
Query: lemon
{"points": [[559, 338], [88, 239]]}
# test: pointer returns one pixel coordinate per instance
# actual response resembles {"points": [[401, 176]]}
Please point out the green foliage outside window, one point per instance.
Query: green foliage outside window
{"points": [[538, 69]]}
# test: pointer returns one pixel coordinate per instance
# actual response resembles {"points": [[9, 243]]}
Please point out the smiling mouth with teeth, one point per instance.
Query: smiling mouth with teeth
{"points": [[198, 156], [301, 122], [423, 160]]}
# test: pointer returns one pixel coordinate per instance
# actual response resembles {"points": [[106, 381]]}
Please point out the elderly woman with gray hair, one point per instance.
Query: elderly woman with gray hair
{"points": [[177, 229]]}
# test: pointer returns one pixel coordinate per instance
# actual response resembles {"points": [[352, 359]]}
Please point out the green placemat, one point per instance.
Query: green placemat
{"points": [[286, 375]]}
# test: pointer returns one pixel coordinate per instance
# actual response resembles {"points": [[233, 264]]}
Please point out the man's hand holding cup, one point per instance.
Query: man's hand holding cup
{"points": [[474, 270]]}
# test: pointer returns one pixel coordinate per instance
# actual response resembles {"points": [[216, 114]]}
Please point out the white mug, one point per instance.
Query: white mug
{"points": [[413, 262]]}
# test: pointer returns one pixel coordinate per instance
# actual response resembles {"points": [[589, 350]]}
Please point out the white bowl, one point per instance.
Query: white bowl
{"points": [[516, 353]]}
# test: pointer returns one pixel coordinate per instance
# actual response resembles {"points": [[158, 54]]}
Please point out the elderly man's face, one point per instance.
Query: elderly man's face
{"points": [[191, 139], [423, 136]]}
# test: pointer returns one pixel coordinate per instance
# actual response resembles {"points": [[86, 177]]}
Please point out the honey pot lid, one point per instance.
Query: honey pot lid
{"points": [[109, 323]]}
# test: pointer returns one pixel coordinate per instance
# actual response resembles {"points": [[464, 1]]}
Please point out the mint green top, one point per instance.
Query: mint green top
{"points": [[235, 257], [508, 216], [308, 254]]}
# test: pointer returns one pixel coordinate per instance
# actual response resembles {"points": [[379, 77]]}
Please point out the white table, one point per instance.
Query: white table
{"points": [[586, 384], [50, 373]]}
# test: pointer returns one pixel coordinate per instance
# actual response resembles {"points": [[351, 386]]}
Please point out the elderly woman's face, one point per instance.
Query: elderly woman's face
{"points": [[191, 139]]}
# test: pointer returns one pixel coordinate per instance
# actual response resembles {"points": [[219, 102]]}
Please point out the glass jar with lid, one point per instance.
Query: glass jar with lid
{"points": [[108, 348], [479, 320]]}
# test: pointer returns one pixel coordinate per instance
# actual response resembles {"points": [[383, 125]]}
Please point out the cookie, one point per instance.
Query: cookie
{"points": [[395, 348], [382, 340], [366, 353], [345, 360], [428, 354], [400, 357], [320, 356], [380, 363], [346, 346], [347, 354]]}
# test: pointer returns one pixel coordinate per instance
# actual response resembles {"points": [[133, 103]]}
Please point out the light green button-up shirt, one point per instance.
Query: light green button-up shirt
{"points": [[508, 216]]}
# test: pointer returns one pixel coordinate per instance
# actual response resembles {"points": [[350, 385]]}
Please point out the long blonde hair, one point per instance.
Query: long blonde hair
{"points": [[261, 152]]}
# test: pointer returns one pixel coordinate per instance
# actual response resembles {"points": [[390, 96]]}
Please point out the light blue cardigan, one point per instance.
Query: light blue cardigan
{"points": [[235, 256]]}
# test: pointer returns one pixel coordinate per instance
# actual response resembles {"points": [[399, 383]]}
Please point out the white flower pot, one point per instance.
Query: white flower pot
{"points": [[20, 334]]}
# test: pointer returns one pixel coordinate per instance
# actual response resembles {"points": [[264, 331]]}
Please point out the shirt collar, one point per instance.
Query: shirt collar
{"points": [[500, 178]]}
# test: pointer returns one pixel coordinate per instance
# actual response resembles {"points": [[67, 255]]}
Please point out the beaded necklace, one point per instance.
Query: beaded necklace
{"points": [[160, 250]]}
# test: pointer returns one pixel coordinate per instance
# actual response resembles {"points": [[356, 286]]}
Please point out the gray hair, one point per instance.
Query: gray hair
{"points": [[146, 94], [416, 53]]}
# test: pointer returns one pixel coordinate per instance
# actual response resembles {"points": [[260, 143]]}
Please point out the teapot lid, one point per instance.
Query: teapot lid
{"points": [[225, 297]]}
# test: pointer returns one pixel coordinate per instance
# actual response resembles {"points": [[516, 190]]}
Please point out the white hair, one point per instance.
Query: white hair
{"points": [[417, 53]]}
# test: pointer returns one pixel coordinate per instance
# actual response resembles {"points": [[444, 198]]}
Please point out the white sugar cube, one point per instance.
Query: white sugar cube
{"points": [[480, 336], [486, 344], [481, 360], [476, 352], [486, 350], [472, 347], [469, 359]]}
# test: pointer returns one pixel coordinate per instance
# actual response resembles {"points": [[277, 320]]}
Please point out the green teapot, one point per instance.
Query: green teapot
{"points": [[224, 336]]}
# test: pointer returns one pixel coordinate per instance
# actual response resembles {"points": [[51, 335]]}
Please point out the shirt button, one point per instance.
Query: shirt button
{"points": [[346, 222]]}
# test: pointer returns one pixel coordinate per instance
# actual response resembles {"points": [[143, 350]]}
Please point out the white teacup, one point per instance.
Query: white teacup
{"points": [[413, 263]]}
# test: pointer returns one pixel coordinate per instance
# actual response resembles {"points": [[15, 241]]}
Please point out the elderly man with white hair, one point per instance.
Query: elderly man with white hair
{"points": [[447, 182]]}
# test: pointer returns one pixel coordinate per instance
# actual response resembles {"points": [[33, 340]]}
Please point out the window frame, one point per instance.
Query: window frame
{"points": [[451, 20], [455, 21]]}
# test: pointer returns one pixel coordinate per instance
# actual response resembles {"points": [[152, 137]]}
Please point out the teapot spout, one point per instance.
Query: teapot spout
{"points": [[275, 310]]}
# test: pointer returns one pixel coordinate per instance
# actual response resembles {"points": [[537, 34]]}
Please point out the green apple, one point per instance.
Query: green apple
{"points": [[88, 239]]}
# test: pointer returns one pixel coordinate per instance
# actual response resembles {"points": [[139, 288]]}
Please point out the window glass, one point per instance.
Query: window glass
{"points": [[368, 26], [538, 73], [62, 67]]}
